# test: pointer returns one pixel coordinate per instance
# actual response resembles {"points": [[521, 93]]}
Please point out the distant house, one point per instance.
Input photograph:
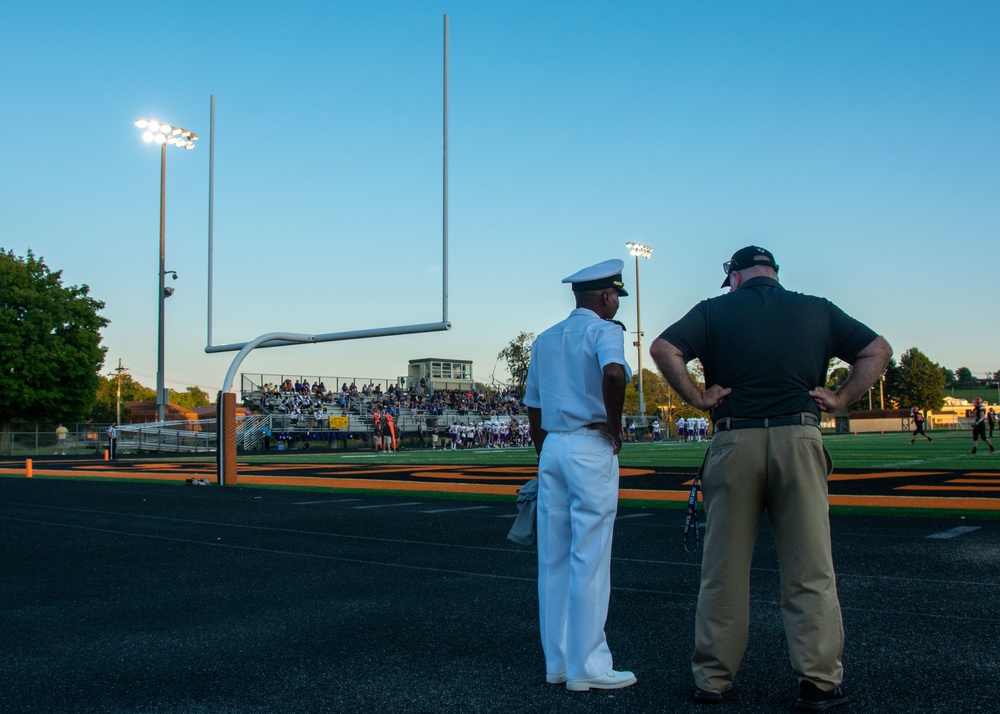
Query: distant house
{"points": [[960, 408], [145, 413]]}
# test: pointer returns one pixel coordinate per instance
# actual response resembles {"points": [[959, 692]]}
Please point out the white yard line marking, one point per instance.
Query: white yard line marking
{"points": [[390, 505], [633, 515], [960, 530], [312, 503], [451, 510]]}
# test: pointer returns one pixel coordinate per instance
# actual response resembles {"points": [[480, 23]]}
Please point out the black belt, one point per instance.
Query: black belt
{"points": [[803, 419]]}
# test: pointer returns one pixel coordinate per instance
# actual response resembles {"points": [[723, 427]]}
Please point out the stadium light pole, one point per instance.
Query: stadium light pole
{"points": [[165, 135], [639, 251]]}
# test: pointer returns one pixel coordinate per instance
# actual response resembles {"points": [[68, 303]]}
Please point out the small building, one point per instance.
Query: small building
{"points": [[145, 413], [890, 420], [960, 408], [943, 420], [435, 373], [866, 421]]}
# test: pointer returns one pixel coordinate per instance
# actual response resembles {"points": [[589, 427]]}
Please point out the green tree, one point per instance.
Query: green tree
{"points": [[106, 403], [661, 399], [889, 394], [921, 382], [50, 344], [516, 356], [654, 391], [193, 397], [965, 378], [837, 375], [893, 383]]}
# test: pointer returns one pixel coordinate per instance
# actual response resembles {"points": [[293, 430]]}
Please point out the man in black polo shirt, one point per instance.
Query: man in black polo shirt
{"points": [[765, 353]]}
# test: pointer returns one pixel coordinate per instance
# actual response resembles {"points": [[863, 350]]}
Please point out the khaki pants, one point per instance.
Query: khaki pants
{"points": [[784, 471]]}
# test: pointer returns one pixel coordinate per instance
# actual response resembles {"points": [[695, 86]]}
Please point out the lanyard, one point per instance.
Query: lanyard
{"points": [[691, 519]]}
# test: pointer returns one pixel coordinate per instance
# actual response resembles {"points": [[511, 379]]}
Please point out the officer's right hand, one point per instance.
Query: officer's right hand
{"points": [[615, 436]]}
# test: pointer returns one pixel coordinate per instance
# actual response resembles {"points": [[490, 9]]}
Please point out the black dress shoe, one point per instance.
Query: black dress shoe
{"points": [[813, 699], [703, 696]]}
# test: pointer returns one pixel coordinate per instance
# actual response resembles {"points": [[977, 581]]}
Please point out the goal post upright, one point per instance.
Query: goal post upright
{"points": [[226, 405]]}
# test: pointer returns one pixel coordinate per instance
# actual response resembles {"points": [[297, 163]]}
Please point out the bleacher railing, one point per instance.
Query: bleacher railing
{"points": [[87, 440], [170, 436]]}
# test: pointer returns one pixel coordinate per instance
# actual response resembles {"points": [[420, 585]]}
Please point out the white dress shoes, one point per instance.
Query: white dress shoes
{"points": [[608, 680], [555, 678]]}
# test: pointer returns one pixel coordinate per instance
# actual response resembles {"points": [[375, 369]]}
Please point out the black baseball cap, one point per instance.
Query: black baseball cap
{"points": [[747, 258]]}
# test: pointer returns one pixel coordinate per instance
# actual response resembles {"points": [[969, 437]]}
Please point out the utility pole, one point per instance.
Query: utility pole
{"points": [[118, 398]]}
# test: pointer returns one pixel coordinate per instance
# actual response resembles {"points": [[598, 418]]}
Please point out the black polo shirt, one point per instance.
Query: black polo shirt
{"points": [[769, 344]]}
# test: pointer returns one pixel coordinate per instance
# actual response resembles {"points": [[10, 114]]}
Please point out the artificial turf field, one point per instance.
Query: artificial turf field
{"points": [[948, 450], [871, 471]]}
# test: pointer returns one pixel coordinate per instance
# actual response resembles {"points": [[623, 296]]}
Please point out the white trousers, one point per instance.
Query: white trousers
{"points": [[577, 504]]}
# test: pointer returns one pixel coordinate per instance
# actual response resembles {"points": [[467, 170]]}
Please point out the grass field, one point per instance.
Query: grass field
{"points": [[865, 456], [948, 451], [990, 395]]}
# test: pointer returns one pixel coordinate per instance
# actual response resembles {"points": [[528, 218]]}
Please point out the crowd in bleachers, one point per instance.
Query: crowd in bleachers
{"points": [[300, 398], [416, 401], [303, 399]]}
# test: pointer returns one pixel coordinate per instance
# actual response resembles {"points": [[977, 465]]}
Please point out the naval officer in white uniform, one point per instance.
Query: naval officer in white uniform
{"points": [[574, 394]]}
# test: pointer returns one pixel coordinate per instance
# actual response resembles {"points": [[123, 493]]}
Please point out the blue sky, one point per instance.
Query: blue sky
{"points": [[858, 141]]}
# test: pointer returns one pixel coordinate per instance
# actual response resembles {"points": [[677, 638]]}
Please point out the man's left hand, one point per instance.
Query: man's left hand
{"points": [[826, 400], [713, 397]]}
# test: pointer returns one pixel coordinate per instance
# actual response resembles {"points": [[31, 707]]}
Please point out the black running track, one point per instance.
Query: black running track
{"points": [[155, 597]]}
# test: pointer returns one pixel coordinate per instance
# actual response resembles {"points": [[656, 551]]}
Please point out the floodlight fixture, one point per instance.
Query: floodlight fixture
{"points": [[639, 251], [165, 135]]}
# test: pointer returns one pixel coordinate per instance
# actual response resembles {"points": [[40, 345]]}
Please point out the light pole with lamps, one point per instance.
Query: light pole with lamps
{"points": [[165, 135], [639, 251]]}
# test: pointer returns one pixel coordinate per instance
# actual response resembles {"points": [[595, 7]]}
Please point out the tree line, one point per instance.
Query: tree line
{"points": [[106, 399], [51, 353]]}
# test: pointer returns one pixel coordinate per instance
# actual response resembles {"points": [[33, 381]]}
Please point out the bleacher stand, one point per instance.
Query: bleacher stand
{"points": [[300, 412]]}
